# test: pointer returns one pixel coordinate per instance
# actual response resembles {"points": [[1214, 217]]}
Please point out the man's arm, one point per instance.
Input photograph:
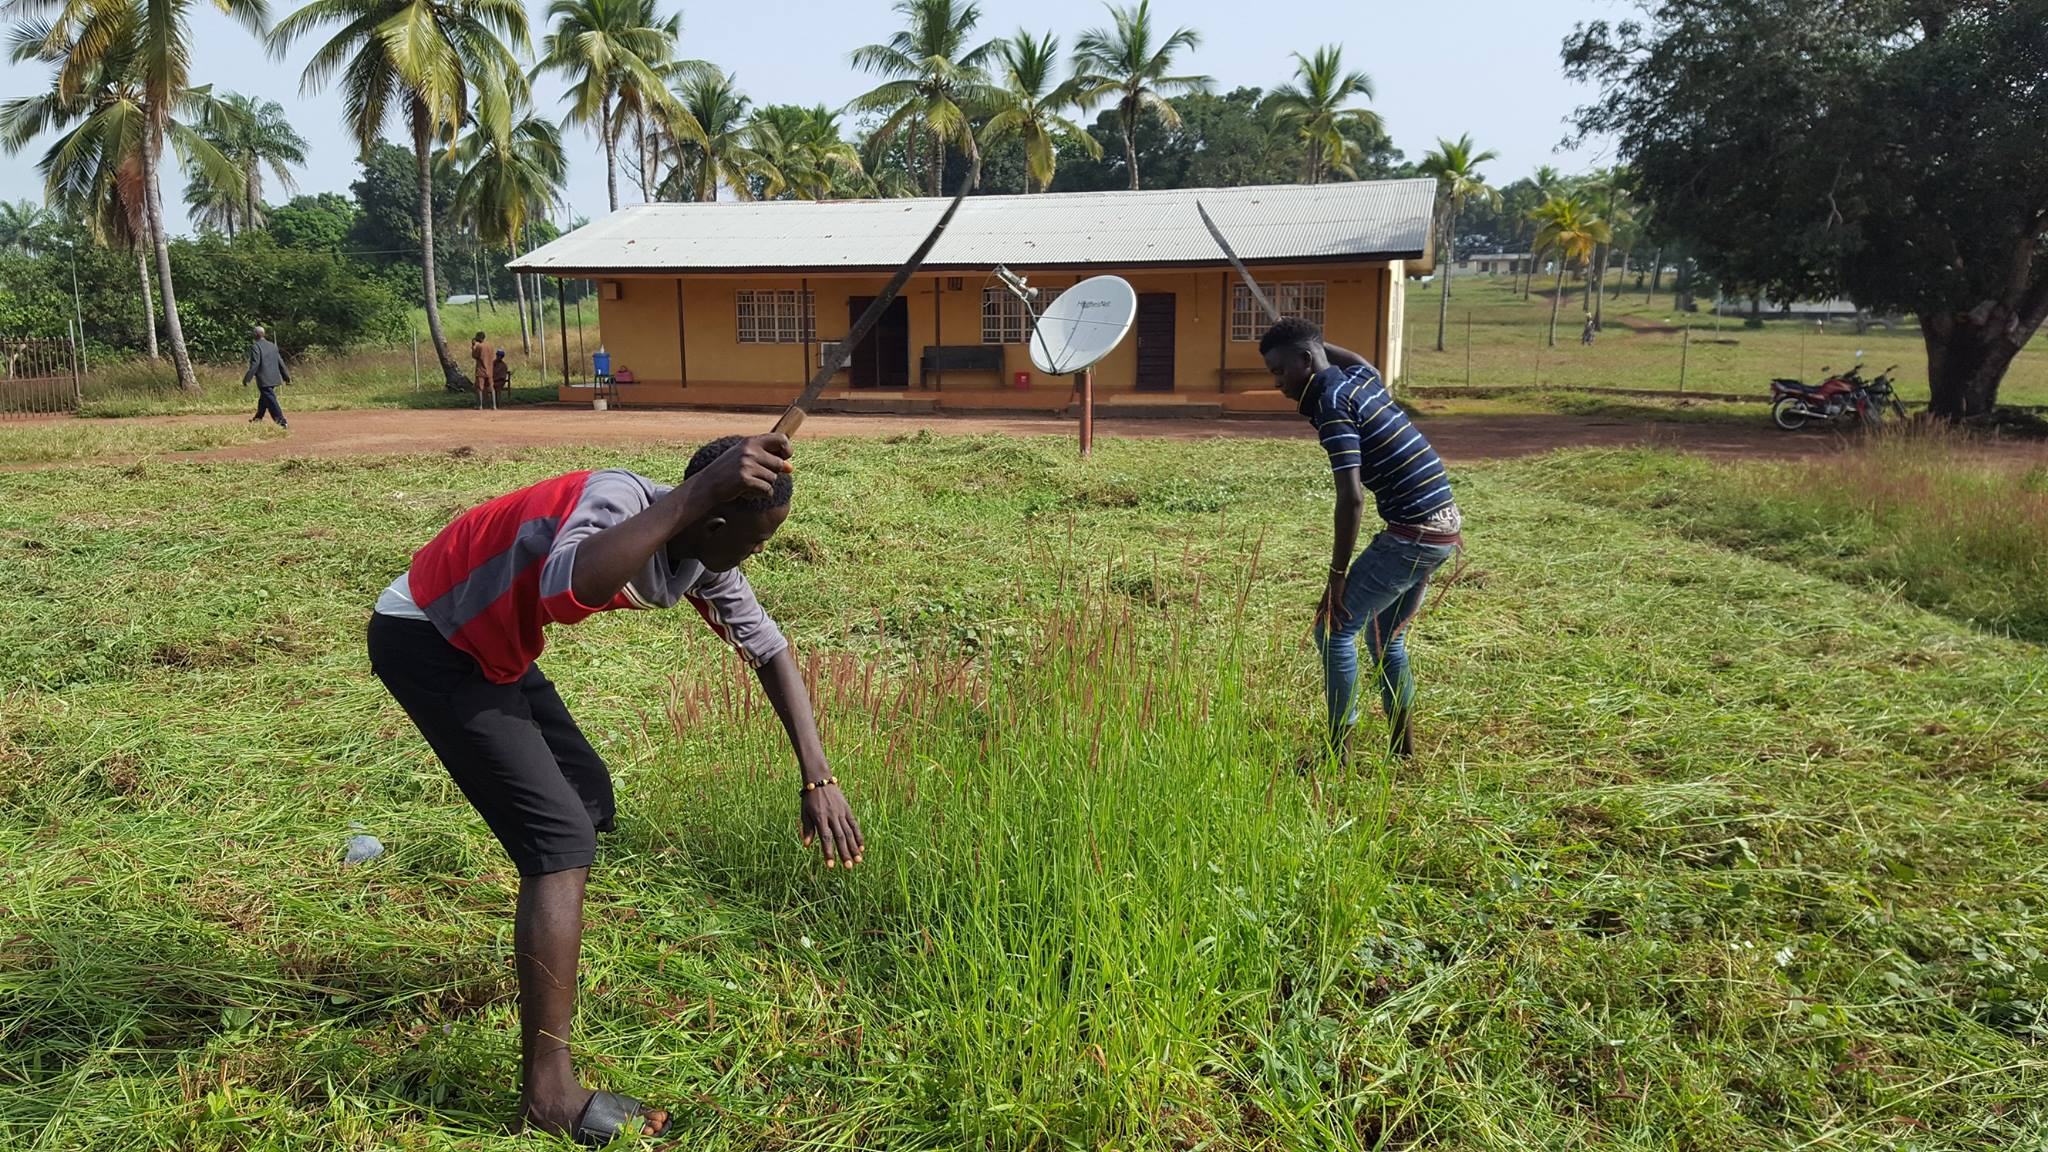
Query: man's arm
{"points": [[609, 559], [284, 372], [1350, 513], [255, 358], [1343, 357], [826, 817]]}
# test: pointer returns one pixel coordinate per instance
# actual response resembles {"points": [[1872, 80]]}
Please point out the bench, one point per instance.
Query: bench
{"points": [[941, 358]]}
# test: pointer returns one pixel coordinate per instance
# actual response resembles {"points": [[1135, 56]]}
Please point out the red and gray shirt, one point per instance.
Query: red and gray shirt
{"points": [[499, 574]]}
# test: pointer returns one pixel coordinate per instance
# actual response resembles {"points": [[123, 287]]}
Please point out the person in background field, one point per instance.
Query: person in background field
{"points": [[266, 368], [1372, 447], [1586, 333], [501, 373], [478, 371], [455, 638]]}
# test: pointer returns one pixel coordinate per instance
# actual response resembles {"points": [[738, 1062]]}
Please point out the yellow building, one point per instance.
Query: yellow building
{"points": [[734, 304]]}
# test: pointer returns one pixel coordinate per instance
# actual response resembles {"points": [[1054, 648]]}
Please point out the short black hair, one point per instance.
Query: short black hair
{"points": [[1289, 331], [775, 497]]}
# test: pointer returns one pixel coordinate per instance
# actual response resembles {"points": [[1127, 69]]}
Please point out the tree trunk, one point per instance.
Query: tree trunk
{"points": [[1621, 281], [519, 292], [611, 151], [1967, 357], [1681, 298], [1445, 259], [1596, 284], [646, 160], [1130, 129], [148, 300], [174, 330], [935, 166], [249, 200], [423, 169], [1556, 298], [1656, 277]]}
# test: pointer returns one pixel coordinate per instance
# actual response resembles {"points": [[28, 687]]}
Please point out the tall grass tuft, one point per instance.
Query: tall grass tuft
{"points": [[1090, 904]]}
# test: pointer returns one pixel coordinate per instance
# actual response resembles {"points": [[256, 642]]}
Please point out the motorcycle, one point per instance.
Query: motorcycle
{"points": [[1841, 398]]}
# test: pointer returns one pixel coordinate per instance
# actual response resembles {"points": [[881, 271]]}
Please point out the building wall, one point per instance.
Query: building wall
{"points": [[641, 332]]}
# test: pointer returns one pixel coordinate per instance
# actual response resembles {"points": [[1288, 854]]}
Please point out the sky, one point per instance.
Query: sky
{"points": [[1441, 68]]}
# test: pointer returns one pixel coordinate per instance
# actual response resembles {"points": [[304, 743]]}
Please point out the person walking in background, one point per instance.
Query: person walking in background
{"points": [[478, 370], [501, 372], [266, 368], [1586, 333]]}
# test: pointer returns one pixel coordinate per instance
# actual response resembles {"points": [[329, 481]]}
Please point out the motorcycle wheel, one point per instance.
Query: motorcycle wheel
{"points": [[1789, 414], [1899, 409]]}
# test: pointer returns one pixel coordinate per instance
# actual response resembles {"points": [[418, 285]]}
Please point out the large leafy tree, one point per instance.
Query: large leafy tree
{"points": [[1029, 104], [612, 53], [1889, 151], [1314, 106], [1454, 164], [429, 62], [121, 92], [1129, 63], [508, 176], [934, 80]]}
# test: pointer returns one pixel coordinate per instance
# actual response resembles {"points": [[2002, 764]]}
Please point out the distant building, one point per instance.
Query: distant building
{"points": [[1495, 263], [728, 304]]}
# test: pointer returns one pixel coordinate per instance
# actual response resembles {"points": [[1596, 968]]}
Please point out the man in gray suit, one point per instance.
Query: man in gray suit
{"points": [[267, 369]]}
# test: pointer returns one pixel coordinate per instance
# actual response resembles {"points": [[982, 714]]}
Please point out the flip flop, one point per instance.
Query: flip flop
{"points": [[606, 1116]]}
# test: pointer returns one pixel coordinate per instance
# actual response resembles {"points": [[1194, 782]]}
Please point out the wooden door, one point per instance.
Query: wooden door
{"points": [[1156, 312]]}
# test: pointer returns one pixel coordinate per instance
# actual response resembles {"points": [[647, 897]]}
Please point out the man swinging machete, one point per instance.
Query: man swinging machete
{"points": [[455, 639], [1372, 447]]}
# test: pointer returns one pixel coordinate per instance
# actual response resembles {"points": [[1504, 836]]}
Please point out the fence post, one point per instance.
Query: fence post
{"points": [[1468, 347], [415, 357], [77, 388], [1684, 346]]}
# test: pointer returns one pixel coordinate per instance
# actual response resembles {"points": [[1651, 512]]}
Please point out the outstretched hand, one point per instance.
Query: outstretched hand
{"points": [[829, 822], [750, 467]]}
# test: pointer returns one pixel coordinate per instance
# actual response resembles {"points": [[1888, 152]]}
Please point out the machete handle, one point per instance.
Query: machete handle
{"points": [[792, 420]]}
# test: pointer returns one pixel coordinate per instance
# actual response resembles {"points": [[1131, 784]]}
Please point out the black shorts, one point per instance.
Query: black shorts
{"points": [[513, 749]]}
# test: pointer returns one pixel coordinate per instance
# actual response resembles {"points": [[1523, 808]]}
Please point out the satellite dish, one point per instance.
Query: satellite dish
{"points": [[1085, 324]]}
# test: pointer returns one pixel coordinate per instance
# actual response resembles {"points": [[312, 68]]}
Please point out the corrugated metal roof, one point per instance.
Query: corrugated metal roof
{"points": [[1384, 219]]}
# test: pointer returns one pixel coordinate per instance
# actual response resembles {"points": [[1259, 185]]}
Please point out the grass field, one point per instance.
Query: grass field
{"points": [[1705, 849], [1643, 345], [373, 378]]}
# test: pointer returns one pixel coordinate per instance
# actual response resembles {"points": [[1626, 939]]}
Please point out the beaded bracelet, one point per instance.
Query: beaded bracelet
{"points": [[814, 785]]}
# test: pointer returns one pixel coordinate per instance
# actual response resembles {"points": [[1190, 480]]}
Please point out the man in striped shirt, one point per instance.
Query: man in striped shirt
{"points": [[1372, 447], [455, 638]]}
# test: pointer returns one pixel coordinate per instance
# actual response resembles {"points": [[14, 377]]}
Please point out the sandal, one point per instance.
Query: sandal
{"points": [[607, 1115]]}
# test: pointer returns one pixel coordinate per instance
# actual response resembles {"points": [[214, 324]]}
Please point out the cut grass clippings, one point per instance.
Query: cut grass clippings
{"points": [[1702, 850], [60, 439]]}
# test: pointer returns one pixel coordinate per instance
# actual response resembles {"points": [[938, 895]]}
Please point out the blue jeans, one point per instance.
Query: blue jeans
{"points": [[1382, 593]]}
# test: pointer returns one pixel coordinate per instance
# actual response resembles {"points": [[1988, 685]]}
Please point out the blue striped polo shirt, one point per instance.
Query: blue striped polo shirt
{"points": [[1361, 427]]}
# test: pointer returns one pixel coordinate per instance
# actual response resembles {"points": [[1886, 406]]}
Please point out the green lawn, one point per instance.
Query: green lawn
{"points": [[1643, 343], [1706, 849]]}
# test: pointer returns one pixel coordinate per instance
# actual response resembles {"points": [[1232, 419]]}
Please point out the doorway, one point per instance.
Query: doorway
{"points": [[883, 359], [1156, 311]]}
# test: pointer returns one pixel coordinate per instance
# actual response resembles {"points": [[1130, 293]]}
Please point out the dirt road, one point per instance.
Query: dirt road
{"points": [[1456, 437]]}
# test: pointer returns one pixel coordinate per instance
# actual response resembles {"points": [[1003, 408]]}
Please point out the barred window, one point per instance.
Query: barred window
{"points": [[777, 317], [1302, 298], [1004, 319]]}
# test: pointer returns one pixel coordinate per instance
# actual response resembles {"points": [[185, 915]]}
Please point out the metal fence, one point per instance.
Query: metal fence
{"points": [[38, 377]]}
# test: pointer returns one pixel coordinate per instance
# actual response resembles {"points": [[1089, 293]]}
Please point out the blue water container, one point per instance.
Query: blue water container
{"points": [[601, 363]]}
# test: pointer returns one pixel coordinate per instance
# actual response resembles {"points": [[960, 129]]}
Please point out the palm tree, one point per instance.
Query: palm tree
{"points": [[710, 141], [22, 223], [1549, 182], [936, 82], [506, 177], [253, 134], [1569, 226], [801, 153], [1123, 62], [1455, 164], [1027, 104], [611, 52], [1314, 107], [123, 90], [424, 56], [1610, 188]]}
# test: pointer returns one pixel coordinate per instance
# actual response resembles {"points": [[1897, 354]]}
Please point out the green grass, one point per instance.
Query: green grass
{"points": [[373, 378], [45, 441], [1703, 850], [1640, 346]]}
